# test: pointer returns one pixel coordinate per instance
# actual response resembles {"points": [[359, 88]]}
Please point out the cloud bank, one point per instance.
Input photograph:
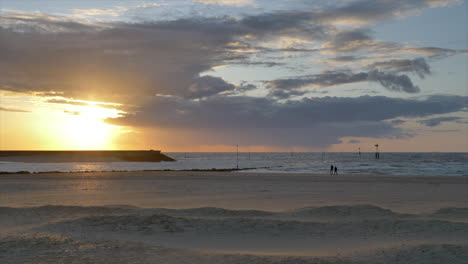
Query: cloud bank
{"points": [[391, 81], [316, 122]]}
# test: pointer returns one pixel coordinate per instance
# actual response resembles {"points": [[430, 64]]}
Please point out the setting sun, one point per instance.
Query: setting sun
{"points": [[87, 132], [82, 127]]}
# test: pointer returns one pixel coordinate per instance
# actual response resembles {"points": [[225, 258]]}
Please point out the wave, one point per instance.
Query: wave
{"points": [[329, 213], [346, 211], [126, 234], [47, 248], [10, 216], [418, 254], [65, 209], [161, 223], [214, 212], [452, 212]]}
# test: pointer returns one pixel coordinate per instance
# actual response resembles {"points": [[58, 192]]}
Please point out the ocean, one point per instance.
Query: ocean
{"points": [[287, 162]]}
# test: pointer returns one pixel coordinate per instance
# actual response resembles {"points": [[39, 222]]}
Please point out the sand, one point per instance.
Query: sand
{"points": [[226, 217]]}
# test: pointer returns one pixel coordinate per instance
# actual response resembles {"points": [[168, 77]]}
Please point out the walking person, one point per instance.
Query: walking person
{"points": [[336, 170], [331, 169]]}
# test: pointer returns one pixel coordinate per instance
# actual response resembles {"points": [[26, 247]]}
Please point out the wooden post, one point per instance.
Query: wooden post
{"points": [[237, 156]]}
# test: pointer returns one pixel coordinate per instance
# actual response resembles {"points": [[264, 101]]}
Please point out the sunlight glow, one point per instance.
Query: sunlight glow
{"points": [[87, 130], [87, 133]]}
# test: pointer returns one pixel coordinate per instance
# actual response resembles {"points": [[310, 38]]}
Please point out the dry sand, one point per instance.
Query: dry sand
{"points": [[225, 217]]}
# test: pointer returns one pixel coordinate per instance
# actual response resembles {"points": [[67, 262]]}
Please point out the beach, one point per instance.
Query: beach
{"points": [[232, 217]]}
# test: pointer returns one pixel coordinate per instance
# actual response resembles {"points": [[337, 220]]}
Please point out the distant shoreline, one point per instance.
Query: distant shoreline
{"points": [[436, 179]]}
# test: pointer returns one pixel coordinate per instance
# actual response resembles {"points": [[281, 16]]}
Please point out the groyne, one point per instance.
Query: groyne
{"points": [[84, 156]]}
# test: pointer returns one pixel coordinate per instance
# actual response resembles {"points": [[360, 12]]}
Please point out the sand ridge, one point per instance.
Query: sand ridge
{"points": [[225, 217]]}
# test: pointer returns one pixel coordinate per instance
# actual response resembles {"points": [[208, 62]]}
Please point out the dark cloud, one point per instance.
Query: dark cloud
{"points": [[391, 81], [354, 141], [375, 11], [417, 65], [7, 109], [285, 94], [268, 64], [329, 78], [125, 58], [315, 122], [296, 23], [110, 61], [119, 62], [345, 58], [432, 122], [319, 91], [293, 49], [207, 86], [244, 86]]}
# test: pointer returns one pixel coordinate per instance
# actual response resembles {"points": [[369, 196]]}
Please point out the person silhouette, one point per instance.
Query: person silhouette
{"points": [[331, 169], [336, 170]]}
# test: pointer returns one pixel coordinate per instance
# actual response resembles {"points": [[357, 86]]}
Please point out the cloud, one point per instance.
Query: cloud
{"points": [[80, 103], [329, 78], [226, 2], [63, 101], [349, 13], [397, 122], [366, 12], [347, 58], [357, 40], [285, 94], [297, 24], [111, 64], [85, 13], [354, 141], [110, 61], [391, 81], [417, 65], [207, 86], [268, 64], [124, 62], [386, 72], [433, 52], [432, 122], [37, 22], [7, 109], [316, 122]]}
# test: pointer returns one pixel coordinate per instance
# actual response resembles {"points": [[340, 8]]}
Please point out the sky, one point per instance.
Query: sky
{"points": [[207, 75]]}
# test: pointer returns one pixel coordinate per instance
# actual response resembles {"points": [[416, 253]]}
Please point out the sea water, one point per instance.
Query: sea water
{"points": [[290, 162]]}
